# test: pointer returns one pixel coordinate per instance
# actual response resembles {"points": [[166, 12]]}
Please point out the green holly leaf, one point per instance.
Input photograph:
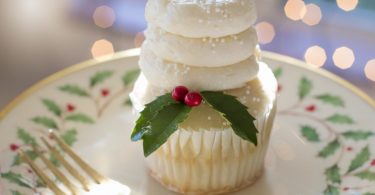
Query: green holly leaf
{"points": [[54, 160], [332, 190], [358, 135], [235, 112], [74, 90], [369, 193], [163, 125], [305, 87], [130, 77], [52, 106], [148, 113], [26, 137], [340, 119], [14, 192], [361, 158], [366, 175], [99, 77], [70, 136], [331, 99], [310, 134], [16, 179], [45, 121], [40, 183], [278, 72], [17, 158], [330, 149], [333, 174], [80, 117], [128, 102]]}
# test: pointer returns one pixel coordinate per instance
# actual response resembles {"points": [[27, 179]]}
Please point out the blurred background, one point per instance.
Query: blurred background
{"points": [[40, 37]]}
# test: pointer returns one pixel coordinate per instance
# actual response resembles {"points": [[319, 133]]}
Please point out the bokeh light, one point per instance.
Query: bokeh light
{"points": [[102, 48], [313, 15], [316, 55], [344, 57], [139, 38], [370, 70], [266, 32], [347, 5], [104, 16], [295, 9]]}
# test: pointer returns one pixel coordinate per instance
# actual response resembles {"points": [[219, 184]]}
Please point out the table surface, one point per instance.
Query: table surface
{"points": [[38, 38]]}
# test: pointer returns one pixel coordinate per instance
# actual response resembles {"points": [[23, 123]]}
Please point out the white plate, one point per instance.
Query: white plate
{"points": [[323, 140]]}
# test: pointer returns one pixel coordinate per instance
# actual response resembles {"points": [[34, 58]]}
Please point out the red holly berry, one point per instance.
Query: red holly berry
{"points": [[373, 163], [279, 88], [29, 171], [70, 108], [193, 99], [349, 149], [105, 92], [346, 189], [14, 147], [311, 108], [179, 93]]}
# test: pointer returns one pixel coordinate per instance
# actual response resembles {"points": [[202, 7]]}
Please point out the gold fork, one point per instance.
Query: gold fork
{"points": [[85, 183]]}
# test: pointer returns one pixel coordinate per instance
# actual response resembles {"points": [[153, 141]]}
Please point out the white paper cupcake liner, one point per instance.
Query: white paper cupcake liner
{"points": [[211, 161]]}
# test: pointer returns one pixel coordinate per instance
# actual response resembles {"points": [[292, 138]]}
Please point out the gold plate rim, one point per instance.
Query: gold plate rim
{"points": [[136, 51]]}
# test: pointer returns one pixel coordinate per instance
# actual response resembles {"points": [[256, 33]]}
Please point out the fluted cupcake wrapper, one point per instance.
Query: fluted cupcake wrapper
{"points": [[211, 161]]}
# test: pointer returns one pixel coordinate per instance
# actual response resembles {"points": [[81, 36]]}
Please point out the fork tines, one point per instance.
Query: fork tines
{"points": [[91, 172]]}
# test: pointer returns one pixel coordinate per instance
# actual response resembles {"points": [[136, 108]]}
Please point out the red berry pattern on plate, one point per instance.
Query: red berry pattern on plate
{"points": [[373, 163], [311, 108], [105, 92], [14, 147], [70, 108]]}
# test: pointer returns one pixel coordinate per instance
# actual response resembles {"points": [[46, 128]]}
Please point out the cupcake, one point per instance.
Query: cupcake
{"points": [[206, 103]]}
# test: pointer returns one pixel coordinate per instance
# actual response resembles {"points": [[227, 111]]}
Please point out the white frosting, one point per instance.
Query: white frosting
{"points": [[202, 18], [167, 74], [208, 52]]}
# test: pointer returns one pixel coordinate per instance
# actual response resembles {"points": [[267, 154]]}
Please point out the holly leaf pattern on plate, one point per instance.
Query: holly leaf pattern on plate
{"points": [[74, 90], [45, 121], [100, 77], [70, 136], [80, 117], [333, 174], [330, 149], [130, 77], [366, 175], [358, 135], [15, 178], [52, 106], [360, 159], [305, 87], [278, 72], [17, 159], [332, 190], [15, 192], [26, 137], [332, 100], [310, 134], [340, 119]]}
